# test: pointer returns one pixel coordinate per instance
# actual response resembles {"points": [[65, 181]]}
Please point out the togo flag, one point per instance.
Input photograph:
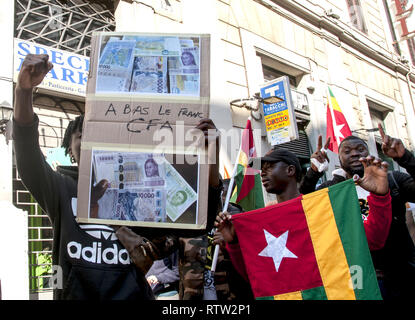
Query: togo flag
{"points": [[312, 247]]}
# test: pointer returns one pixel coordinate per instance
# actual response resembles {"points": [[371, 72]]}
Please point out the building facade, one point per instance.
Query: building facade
{"points": [[363, 50]]}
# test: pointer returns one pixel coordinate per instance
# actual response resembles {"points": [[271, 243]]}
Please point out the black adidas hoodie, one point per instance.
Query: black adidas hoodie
{"points": [[89, 261]]}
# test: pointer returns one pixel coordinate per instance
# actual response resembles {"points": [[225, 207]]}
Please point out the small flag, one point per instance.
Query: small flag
{"points": [[248, 191], [337, 127], [312, 247]]}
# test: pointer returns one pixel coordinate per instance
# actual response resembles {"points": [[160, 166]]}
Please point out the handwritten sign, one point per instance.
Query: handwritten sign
{"points": [[145, 95]]}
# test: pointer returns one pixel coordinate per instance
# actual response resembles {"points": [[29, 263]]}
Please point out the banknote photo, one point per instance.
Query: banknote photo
{"points": [[136, 185], [149, 75], [142, 204], [115, 66], [179, 194], [141, 187], [149, 65]]}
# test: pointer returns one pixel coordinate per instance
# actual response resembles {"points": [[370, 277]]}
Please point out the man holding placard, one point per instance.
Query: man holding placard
{"points": [[89, 264]]}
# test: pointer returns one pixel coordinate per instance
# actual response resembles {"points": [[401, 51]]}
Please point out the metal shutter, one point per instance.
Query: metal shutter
{"points": [[300, 147]]}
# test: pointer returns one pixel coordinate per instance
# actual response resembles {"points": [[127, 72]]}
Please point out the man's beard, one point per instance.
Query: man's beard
{"points": [[359, 171]]}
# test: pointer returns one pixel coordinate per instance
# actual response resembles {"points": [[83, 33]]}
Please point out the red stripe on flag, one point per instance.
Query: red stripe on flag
{"points": [[247, 141], [247, 184]]}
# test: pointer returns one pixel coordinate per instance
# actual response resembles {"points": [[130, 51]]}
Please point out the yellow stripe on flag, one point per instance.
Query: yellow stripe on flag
{"points": [[335, 104], [289, 296], [330, 255], [243, 159]]}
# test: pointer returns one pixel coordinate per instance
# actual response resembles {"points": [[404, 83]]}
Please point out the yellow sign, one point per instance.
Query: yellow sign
{"points": [[277, 120]]}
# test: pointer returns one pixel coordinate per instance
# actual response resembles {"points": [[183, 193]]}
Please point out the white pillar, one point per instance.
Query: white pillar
{"points": [[14, 262]]}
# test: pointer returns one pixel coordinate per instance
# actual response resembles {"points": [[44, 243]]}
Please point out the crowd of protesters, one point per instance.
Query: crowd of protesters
{"points": [[150, 263]]}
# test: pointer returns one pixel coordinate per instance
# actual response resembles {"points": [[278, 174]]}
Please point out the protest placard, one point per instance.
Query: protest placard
{"points": [[145, 95]]}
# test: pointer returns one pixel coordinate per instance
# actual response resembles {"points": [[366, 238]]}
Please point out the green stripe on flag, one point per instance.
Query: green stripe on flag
{"points": [[254, 199], [238, 179], [314, 294], [265, 298], [345, 204]]}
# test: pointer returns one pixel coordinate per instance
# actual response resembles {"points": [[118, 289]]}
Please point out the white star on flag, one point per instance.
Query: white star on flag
{"points": [[337, 131], [276, 248]]}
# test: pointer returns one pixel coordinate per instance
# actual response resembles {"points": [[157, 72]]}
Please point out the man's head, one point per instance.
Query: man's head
{"points": [[279, 168], [151, 168], [72, 139], [351, 149]]}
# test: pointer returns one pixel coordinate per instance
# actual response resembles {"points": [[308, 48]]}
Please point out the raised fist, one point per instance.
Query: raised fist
{"points": [[33, 71]]}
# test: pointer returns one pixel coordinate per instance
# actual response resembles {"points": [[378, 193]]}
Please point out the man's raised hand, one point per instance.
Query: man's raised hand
{"points": [[392, 147], [319, 155], [375, 178], [33, 71]]}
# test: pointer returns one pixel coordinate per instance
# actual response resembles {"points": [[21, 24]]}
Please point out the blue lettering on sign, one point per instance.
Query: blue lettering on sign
{"points": [[68, 68], [25, 47], [55, 57], [71, 64], [275, 89]]}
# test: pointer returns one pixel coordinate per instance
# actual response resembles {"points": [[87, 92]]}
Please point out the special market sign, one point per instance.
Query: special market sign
{"points": [[279, 117], [70, 71]]}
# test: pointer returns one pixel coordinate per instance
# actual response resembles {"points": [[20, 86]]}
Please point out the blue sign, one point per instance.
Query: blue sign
{"points": [[69, 73], [275, 89]]}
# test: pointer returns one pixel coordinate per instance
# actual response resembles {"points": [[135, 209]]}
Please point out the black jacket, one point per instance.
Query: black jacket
{"points": [[395, 262], [89, 261]]}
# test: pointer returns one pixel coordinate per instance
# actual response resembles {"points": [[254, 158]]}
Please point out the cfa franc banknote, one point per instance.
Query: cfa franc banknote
{"points": [[133, 204], [179, 194], [129, 169], [155, 45], [149, 74], [115, 66]]}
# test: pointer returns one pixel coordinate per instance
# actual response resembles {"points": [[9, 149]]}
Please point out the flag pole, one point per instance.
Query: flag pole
{"points": [[225, 206]]}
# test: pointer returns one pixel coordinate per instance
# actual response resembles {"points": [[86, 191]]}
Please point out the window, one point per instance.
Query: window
{"points": [[378, 115], [271, 74], [66, 25], [356, 15]]}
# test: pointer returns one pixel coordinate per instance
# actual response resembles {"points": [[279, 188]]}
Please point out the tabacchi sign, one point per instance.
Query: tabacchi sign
{"points": [[69, 73], [403, 16]]}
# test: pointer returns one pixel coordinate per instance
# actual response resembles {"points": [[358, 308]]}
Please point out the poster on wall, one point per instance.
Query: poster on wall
{"points": [[145, 95], [279, 117]]}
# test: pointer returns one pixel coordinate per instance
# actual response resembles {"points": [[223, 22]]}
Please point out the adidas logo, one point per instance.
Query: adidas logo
{"points": [[95, 254], [100, 232]]}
